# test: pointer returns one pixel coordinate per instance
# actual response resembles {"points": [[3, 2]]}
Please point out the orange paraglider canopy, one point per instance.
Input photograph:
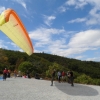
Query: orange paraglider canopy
{"points": [[11, 25]]}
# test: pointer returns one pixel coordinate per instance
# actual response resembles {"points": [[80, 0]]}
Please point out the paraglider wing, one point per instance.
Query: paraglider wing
{"points": [[11, 25]]}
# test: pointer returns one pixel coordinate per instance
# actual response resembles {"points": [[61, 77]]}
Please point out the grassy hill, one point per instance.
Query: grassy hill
{"points": [[87, 72]]}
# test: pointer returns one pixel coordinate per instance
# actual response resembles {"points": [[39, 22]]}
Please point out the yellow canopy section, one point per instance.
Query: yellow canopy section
{"points": [[11, 25]]}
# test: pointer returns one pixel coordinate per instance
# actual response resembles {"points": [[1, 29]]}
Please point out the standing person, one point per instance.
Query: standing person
{"points": [[59, 76], [4, 74], [19, 74], [8, 74], [52, 76], [63, 76], [71, 78], [28, 75], [68, 76], [15, 73]]}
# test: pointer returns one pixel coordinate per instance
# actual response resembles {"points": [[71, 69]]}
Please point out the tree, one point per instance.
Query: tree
{"points": [[55, 66], [26, 66]]}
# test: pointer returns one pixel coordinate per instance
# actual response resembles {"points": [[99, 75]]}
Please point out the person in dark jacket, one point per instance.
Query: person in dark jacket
{"points": [[52, 76], [71, 77]]}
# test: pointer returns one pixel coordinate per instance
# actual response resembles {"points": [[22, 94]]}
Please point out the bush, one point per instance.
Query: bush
{"points": [[84, 79], [96, 82]]}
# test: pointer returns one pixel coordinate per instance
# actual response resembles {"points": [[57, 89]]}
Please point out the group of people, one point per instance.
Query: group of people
{"points": [[62, 75], [19, 74], [6, 73]]}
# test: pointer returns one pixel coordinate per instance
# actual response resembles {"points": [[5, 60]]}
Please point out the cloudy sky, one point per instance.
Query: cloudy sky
{"points": [[69, 28]]}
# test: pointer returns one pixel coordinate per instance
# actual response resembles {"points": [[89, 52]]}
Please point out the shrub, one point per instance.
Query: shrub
{"points": [[84, 79]]}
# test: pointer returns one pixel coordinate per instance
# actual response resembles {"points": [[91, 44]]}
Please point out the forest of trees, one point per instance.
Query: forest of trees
{"points": [[86, 72]]}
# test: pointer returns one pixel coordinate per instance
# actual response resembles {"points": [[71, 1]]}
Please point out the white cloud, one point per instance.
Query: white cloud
{"points": [[79, 57], [71, 2], [79, 43], [22, 2], [13, 44], [2, 9], [62, 9], [48, 19], [83, 41], [93, 59], [93, 15], [77, 3], [20, 50], [2, 44], [90, 38], [92, 21], [43, 36], [77, 20]]}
